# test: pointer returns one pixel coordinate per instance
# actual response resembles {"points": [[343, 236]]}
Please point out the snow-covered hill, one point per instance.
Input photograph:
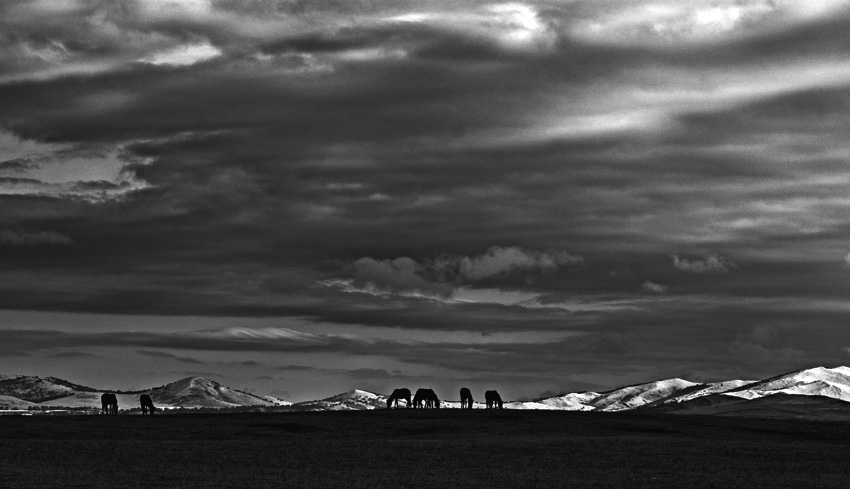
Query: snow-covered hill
{"points": [[456, 405], [671, 395], [533, 405], [574, 401], [701, 390], [353, 400], [191, 392], [635, 396], [818, 381]]}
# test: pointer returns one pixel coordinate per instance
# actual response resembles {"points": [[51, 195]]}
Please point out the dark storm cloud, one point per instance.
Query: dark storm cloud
{"points": [[296, 368], [374, 373], [324, 160], [18, 181], [268, 340], [17, 165], [9, 237], [73, 354], [358, 373]]}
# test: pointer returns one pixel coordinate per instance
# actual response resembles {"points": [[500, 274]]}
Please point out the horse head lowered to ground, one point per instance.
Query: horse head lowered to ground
{"points": [[109, 403], [147, 404], [398, 394], [426, 398], [465, 398], [493, 399], [431, 399]]}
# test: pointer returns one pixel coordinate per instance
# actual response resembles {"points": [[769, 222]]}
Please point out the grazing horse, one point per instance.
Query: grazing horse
{"points": [[431, 399], [426, 398], [109, 403], [465, 398], [397, 394], [147, 404], [493, 399], [419, 400]]}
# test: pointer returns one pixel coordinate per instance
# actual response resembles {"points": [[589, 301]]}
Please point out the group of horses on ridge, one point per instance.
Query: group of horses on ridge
{"points": [[109, 404], [426, 398]]}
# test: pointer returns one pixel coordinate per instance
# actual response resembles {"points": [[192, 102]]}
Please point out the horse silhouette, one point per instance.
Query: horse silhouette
{"points": [[426, 398], [419, 398], [432, 401], [493, 399], [397, 394], [465, 398], [109, 403], [147, 404]]}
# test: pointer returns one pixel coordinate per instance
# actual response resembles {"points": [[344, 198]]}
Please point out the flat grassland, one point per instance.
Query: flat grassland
{"points": [[419, 448]]}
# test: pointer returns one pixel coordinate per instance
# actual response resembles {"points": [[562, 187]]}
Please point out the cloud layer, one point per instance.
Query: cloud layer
{"points": [[632, 170], [441, 275]]}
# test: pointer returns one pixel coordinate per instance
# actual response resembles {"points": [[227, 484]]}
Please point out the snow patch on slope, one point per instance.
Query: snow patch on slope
{"points": [[818, 381], [353, 400], [575, 401], [702, 390], [276, 401], [638, 395]]}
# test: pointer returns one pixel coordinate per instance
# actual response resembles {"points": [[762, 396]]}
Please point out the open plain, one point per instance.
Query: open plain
{"points": [[422, 448]]}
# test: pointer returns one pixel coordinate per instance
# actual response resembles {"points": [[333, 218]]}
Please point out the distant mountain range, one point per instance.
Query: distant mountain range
{"points": [[22, 392], [812, 393]]}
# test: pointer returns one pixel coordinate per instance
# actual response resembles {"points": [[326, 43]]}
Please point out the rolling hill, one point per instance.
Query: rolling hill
{"points": [[200, 392], [190, 392], [823, 392], [353, 400]]}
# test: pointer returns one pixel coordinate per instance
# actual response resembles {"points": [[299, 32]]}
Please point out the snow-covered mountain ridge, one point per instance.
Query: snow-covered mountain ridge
{"points": [[18, 391], [190, 392], [831, 383]]}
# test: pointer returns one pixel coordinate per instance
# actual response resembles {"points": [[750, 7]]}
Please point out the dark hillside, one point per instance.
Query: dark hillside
{"points": [[780, 406]]}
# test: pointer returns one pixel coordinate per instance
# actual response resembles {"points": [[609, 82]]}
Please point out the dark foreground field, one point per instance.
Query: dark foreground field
{"points": [[446, 448]]}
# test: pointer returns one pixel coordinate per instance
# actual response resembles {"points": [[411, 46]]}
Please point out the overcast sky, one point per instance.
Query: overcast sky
{"points": [[300, 197]]}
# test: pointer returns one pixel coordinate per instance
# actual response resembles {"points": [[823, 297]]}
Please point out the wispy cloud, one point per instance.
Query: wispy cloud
{"points": [[160, 354], [14, 237]]}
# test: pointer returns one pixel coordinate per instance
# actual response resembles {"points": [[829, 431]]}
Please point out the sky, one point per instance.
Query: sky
{"points": [[298, 198]]}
